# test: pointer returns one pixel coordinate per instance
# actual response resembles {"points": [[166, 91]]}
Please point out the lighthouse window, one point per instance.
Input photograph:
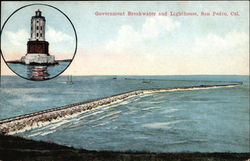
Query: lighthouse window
{"points": [[37, 27], [41, 35], [41, 27], [36, 34]]}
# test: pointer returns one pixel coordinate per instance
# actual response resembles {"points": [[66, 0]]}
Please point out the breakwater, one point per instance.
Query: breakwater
{"points": [[23, 122]]}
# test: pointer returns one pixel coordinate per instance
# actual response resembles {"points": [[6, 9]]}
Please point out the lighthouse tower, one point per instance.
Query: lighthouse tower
{"points": [[38, 27], [37, 47]]}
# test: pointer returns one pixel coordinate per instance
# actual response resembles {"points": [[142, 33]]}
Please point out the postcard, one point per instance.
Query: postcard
{"points": [[124, 80]]}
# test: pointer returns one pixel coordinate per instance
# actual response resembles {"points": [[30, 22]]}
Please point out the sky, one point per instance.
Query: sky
{"points": [[136, 45]]}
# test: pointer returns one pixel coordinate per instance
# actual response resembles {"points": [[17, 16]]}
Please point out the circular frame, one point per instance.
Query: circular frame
{"points": [[67, 19]]}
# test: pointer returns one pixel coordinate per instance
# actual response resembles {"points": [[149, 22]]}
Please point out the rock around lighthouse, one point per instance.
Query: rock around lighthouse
{"points": [[37, 46]]}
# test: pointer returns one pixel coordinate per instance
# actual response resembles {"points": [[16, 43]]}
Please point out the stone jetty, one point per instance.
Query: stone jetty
{"points": [[21, 123]]}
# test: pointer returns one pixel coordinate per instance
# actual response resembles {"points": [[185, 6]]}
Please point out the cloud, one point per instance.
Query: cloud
{"points": [[154, 26], [143, 51], [62, 45], [17, 38], [129, 39], [21, 36], [232, 43], [217, 54], [57, 36]]}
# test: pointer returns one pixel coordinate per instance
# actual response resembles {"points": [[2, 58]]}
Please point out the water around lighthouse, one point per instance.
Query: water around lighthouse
{"points": [[206, 120], [38, 72]]}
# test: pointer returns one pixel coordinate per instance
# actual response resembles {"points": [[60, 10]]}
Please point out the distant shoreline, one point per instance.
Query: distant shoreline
{"points": [[20, 62]]}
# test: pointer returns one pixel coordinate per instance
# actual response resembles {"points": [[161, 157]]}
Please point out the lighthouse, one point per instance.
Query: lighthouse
{"points": [[37, 46], [38, 27]]}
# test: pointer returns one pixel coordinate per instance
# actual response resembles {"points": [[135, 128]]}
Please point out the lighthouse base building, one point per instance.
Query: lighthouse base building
{"points": [[37, 47], [38, 59], [38, 53]]}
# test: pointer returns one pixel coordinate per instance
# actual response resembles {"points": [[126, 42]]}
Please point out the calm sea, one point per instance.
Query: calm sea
{"points": [[38, 72], [210, 120]]}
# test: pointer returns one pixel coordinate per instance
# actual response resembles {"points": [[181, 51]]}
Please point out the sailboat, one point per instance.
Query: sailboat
{"points": [[69, 81]]}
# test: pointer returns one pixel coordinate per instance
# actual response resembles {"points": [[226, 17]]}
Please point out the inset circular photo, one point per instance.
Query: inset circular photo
{"points": [[38, 42]]}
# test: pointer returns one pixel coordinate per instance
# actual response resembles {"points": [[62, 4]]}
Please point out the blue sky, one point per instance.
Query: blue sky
{"points": [[139, 45]]}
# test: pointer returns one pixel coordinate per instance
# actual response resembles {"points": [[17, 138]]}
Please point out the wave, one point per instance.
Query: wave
{"points": [[111, 106], [151, 102], [78, 120], [47, 132], [80, 123], [85, 116], [105, 116], [187, 141], [124, 103], [146, 95], [101, 124], [27, 121], [34, 134], [172, 110], [54, 126], [163, 125], [149, 108]]}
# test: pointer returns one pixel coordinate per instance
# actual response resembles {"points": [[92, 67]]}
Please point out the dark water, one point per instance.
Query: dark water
{"points": [[38, 72], [210, 120]]}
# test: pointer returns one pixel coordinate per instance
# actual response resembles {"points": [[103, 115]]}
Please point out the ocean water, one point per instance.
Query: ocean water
{"points": [[208, 120], [35, 72]]}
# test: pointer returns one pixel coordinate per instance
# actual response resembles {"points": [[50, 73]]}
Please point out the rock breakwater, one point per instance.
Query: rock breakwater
{"points": [[21, 123]]}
